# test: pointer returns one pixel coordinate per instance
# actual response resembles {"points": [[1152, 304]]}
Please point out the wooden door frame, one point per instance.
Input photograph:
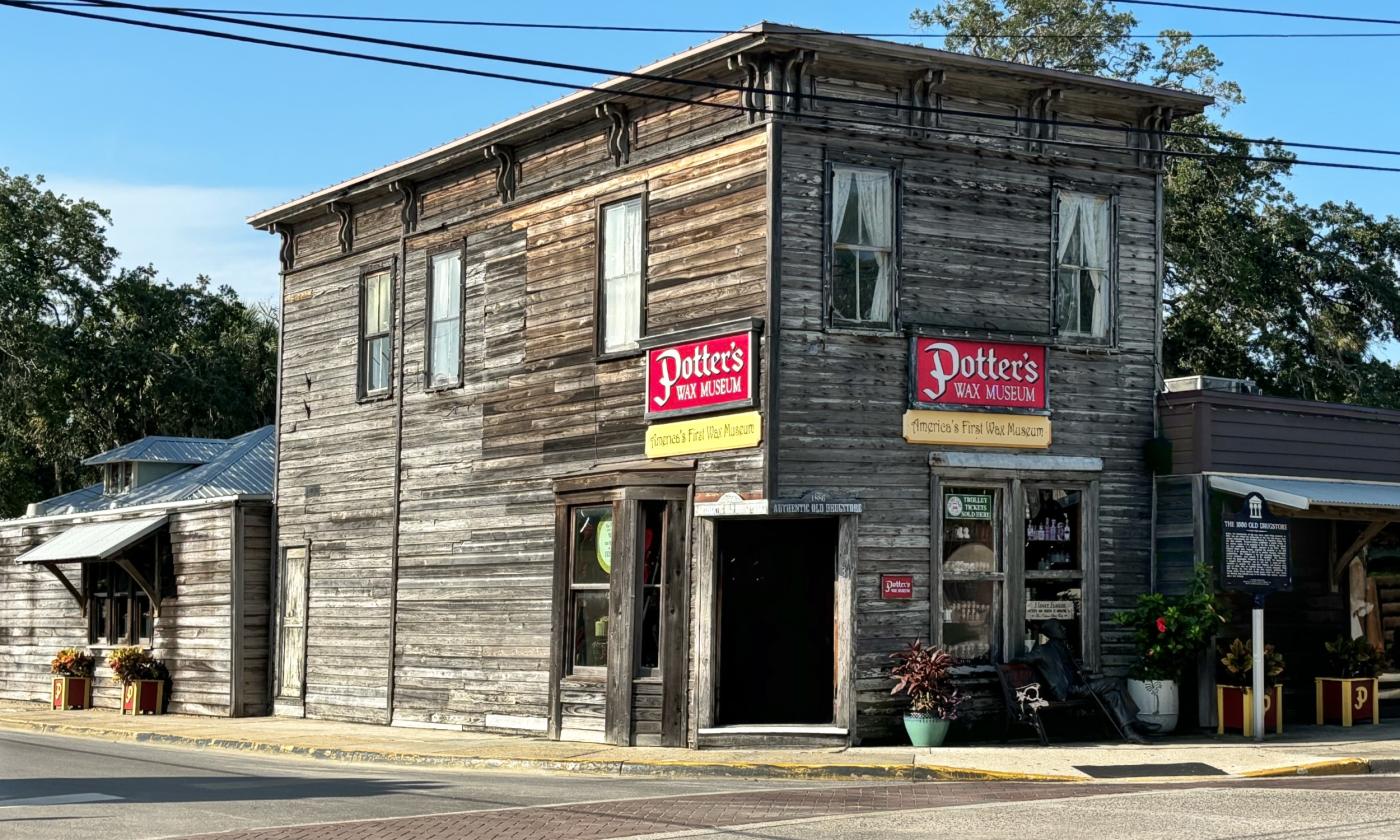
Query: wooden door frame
{"points": [[287, 706]]}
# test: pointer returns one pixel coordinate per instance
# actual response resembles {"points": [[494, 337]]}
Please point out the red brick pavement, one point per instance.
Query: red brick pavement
{"points": [[632, 817]]}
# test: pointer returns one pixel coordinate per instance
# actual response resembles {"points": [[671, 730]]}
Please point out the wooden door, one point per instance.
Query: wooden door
{"points": [[291, 639]]}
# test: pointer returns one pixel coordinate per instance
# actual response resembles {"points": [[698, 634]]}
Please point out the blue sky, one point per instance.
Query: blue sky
{"points": [[183, 137]]}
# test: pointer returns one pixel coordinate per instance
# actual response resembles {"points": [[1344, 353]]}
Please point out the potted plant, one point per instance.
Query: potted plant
{"points": [[72, 681], [1350, 693], [1235, 699], [1170, 631], [142, 678], [923, 673]]}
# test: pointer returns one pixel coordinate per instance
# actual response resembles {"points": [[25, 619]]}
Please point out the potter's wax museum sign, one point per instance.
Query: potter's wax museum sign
{"points": [[707, 375], [958, 373]]}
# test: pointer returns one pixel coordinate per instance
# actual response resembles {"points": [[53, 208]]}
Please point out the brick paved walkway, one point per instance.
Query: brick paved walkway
{"points": [[632, 817]]}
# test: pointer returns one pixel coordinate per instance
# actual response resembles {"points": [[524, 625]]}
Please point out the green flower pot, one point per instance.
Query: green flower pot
{"points": [[925, 731]]}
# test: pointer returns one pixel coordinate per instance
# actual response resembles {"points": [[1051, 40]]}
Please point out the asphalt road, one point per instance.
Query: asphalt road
{"points": [[56, 787]]}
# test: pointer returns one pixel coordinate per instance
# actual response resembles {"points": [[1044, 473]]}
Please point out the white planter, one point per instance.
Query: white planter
{"points": [[1158, 702]]}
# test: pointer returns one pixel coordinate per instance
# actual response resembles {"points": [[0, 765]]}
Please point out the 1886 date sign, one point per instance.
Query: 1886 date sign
{"points": [[985, 374], [711, 374], [1258, 557]]}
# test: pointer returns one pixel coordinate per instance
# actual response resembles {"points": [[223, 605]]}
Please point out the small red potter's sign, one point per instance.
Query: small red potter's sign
{"points": [[896, 587], [711, 374], [982, 374]]}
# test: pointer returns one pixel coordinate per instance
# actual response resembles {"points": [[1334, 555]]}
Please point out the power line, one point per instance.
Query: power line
{"points": [[670, 30], [898, 107], [1265, 12], [248, 39]]}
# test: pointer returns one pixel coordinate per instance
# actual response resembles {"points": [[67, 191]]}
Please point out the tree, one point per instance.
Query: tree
{"points": [[1258, 285], [92, 356]]}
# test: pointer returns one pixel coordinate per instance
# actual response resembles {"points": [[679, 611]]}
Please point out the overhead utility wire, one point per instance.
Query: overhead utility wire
{"points": [[1170, 4], [714, 85], [589, 27], [248, 39]]}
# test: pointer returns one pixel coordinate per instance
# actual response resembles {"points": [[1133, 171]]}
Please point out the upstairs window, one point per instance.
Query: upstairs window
{"points": [[621, 275], [862, 247], [117, 478], [376, 348], [1083, 280], [444, 320]]}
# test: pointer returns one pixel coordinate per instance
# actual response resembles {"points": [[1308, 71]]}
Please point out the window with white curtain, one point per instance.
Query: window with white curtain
{"points": [[862, 246], [621, 285], [376, 347], [445, 320], [1083, 262]]}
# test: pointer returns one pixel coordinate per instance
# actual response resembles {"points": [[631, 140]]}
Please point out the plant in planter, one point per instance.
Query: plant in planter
{"points": [[1170, 631], [1350, 692], [1235, 697], [923, 673], [143, 679], [72, 682]]}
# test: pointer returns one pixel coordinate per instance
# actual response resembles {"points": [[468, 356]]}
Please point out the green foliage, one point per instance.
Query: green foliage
{"points": [[71, 662], [1257, 284], [134, 663], [1352, 658], [1170, 630], [923, 673], [1239, 663], [93, 356]]}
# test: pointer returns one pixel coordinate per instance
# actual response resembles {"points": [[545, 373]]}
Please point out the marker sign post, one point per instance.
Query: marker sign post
{"points": [[1258, 560]]}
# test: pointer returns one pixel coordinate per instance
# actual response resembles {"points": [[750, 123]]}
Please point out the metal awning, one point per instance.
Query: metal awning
{"points": [[1308, 493], [92, 541]]}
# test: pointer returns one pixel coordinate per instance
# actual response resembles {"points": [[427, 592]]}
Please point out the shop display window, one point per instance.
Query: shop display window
{"points": [[972, 572], [1054, 561], [591, 568]]}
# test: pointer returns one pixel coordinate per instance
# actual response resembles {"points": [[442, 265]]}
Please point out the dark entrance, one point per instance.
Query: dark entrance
{"points": [[777, 582]]}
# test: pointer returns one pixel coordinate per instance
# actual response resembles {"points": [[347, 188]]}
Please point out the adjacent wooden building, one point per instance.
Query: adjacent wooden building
{"points": [[663, 413]]}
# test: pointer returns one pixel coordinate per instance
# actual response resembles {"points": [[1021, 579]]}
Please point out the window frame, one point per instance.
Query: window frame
{"points": [[103, 576], [571, 588], [460, 248], [1076, 339], [600, 205], [364, 394], [893, 168]]}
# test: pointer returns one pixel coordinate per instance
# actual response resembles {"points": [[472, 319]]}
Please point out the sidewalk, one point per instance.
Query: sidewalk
{"points": [[1306, 750]]}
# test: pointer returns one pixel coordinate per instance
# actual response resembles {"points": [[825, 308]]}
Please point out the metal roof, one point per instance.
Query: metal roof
{"points": [[1306, 493], [167, 450], [92, 540], [242, 466]]}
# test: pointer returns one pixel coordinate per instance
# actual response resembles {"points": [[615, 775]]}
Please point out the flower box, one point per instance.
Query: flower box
{"points": [[71, 693], [1345, 701], [143, 697], [1235, 706]]}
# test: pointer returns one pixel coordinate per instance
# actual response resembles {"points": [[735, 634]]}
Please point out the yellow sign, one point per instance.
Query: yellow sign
{"points": [[705, 434], [971, 428]]}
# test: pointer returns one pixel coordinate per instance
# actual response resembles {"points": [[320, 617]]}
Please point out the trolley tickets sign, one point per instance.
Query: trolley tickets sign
{"points": [[711, 374], [983, 374]]}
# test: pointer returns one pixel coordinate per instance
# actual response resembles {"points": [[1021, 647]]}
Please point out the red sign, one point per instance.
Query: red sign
{"points": [[699, 376], [896, 587], [985, 374]]}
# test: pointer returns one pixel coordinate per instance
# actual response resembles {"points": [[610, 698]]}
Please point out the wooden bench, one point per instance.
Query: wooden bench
{"points": [[1027, 701]]}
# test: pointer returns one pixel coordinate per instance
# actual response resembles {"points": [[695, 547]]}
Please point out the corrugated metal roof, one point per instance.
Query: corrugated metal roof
{"points": [[1305, 493], [166, 450], [92, 540], [243, 466]]}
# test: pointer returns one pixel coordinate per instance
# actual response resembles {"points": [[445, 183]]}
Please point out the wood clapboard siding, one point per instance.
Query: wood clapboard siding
{"points": [[974, 255]]}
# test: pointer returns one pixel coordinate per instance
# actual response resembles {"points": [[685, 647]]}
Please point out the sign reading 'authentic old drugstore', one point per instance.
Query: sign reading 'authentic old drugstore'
{"points": [[980, 374], [711, 374]]}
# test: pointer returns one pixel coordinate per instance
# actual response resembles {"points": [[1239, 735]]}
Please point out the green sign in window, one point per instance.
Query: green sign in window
{"points": [[967, 505]]}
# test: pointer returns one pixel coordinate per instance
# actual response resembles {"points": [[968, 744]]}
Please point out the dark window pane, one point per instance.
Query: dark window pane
{"points": [[593, 544], [1053, 530], [844, 282], [970, 619], [869, 271], [651, 627], [1062, 598], [590, 635]]}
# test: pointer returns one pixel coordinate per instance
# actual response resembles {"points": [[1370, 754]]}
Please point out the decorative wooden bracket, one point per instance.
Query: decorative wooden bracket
{"points": [[151, 592], [1042, 125], [408, 203], [751, 99], [1362, 540], [791, 78], [1152, 122], [77, 594], [346, 214], [506, 166], [286, 251], [926, 95], [620, 128], [774, 83]]}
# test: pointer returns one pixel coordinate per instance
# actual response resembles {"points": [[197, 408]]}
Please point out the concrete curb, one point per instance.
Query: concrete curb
{"points": [[660, 767]]}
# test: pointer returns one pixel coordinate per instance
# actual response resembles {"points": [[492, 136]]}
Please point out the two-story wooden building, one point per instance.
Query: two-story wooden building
{"points": [[663, 413]]}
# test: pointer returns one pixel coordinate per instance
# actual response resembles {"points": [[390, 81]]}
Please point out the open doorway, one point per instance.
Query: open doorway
{"points": [[776, 621]]}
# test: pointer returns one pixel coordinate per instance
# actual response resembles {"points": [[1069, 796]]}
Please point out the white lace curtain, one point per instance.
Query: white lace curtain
{"points": [[1083, 257], [875, 230], [622, 275]]}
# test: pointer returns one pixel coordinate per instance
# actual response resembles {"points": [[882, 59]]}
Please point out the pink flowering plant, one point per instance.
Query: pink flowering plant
{"points": [[924, 674], [1171, 630]]}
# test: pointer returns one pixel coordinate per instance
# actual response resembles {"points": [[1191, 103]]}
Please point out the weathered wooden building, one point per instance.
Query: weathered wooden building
{"points": [[171, 551], [663, 413]]}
